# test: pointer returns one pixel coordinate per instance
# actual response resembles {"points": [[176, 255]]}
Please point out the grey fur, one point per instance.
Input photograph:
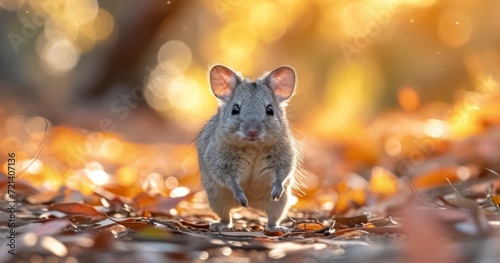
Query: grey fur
{"points": [[237, 172]]}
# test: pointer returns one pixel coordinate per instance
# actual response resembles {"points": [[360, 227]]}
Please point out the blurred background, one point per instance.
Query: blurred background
{"points": [[112, 94]]}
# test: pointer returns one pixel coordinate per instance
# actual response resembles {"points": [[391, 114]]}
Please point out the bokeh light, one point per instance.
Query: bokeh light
{"points": [[81, 11], [454, 28], [174, 54], [60, 56]]}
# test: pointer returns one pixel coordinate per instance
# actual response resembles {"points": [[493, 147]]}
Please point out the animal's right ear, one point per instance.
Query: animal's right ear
{"points": [[222, 81]]}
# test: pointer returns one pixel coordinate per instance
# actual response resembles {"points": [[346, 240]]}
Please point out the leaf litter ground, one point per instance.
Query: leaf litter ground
{"points": [[440, 225]]}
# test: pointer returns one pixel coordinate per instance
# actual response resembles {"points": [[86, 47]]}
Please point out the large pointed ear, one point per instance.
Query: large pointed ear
{"points": [[222, 81], [282, 82]]}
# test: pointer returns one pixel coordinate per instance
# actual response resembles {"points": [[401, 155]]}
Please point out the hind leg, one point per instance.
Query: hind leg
{"points": [[221, 205], [225, 222], [276, 211]]}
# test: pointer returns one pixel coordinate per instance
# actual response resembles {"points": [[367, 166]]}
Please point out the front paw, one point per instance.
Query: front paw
{"points": [[219, 227], [241, 198], [276, 192]]}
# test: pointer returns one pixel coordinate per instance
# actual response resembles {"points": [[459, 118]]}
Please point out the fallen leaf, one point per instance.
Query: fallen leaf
{"points": [[440, 176], [134, 224], [369, 225], [309, 226], [79, 219], [197, 226], [495, 199], [271, 233], [374, 230], [383, 182], [77, 209], [351, 220], [104, 241]]}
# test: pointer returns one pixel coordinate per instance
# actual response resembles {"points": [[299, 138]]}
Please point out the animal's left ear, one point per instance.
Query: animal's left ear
{"points": [[282, 82]]}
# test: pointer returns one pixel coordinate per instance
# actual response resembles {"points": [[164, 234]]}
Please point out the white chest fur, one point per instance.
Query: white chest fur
{"points": [[255, 171]]}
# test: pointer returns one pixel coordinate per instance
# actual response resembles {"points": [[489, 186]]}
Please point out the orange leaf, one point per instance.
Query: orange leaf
{"points": [[311, 226], [369, 225], [496, 199], [347, 199], [144, 200], [439, 176], [273, 233], [351, 190], [383, 182]]}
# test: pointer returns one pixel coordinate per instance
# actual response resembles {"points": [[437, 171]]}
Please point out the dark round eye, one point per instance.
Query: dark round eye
{"points": [[269, 110], [235, 110]]}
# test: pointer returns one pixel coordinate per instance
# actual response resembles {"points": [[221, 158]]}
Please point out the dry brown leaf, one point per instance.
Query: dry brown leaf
{"points": [[81, 219], [381, 222], [375, 230], [135, 224], [351, 220], [104, 241], [77, 209], [197, 226]]}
